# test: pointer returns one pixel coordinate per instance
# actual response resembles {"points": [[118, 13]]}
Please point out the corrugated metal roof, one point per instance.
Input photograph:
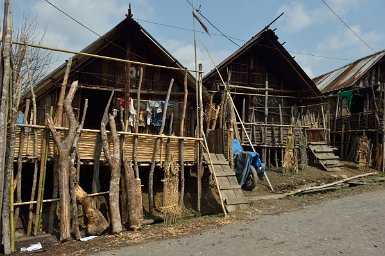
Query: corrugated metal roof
{"points": [[348, 75]]}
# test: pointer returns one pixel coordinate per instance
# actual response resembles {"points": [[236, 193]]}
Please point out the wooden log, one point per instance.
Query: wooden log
{"points": [[64, 150], [156, 148], [96, 224], [132, 205], [59, 110], [35, 154], [74, 173], [5, 91], [114, 163]]}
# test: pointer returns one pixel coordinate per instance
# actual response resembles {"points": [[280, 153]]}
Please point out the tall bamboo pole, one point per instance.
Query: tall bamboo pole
{"points": [[181, 142], [200, 134], [35, 141], [383, 130]]}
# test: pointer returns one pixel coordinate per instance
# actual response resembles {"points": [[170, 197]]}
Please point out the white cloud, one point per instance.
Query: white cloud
{"points": [[100, 16], [296, 15], [345, 39]]}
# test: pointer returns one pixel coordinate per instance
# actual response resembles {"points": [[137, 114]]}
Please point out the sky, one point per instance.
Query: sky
{"points": [[312, 34]]}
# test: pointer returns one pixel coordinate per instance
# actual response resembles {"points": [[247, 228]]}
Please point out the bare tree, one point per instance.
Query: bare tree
{"points": [[40, 60]]}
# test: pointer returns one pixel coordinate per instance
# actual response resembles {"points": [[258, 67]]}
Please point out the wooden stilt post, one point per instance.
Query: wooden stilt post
{"points": [[138, 182], [114, 161], [201, 134], [264, 156], [383, 129], [181, 142]]}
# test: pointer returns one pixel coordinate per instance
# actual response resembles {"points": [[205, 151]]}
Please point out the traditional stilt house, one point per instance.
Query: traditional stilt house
{"points": [[272, 97], [355, 94], [154, 108]]}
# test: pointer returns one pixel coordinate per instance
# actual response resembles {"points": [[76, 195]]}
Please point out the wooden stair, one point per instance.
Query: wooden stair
{"points": [[325, 156], [232, 194]]}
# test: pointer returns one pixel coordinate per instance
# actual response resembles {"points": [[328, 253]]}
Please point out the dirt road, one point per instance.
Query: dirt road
{"points": [[351, 225]]}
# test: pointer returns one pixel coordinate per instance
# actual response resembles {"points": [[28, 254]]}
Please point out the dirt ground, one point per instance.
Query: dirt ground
{"points": [[191, 225]]}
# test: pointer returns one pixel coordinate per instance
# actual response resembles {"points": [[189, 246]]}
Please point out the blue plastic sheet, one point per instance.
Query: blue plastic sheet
{"points": [[243, 160]]}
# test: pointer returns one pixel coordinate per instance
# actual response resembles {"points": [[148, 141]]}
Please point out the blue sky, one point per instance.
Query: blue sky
{"points": [[307, 26]]}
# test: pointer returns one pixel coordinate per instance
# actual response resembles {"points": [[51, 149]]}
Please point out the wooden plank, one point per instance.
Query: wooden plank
{"points": [[318, 143], [223, 182], [322, 150], [233, 181], [237, 200], [324, 156], [227, 186], [224, 174], [227, 168], [222, 158]]}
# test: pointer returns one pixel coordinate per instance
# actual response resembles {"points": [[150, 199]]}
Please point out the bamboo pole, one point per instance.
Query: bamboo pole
{"points": [[383, 129], [200, 135], [138, 182], [58, 199], [209, 115], [135, 151], [40, 193], [281, 131], [99, 56], [181, 141], [156, 148], [119, 133]]}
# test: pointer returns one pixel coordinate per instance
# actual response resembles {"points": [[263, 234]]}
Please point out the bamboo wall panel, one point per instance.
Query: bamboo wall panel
{"points": [[87, 144]]}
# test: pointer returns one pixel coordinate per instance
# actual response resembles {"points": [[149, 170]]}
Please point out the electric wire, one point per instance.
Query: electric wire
{"points": [[186, 29], [242, 40], [362, 40]]}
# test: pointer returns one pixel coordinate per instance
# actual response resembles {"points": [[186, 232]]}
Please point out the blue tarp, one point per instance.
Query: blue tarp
{"points": [[243, 160]]}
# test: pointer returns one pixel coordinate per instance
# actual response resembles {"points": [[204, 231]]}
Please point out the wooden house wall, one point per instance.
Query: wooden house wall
{"points": [[347, 125]]}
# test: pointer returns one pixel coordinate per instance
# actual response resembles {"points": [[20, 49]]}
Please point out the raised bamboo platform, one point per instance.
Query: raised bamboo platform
{"points": [[88, 140]]}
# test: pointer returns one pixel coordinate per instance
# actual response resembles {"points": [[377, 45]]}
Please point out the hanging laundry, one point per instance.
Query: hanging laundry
{"points": [[142, 118], [121, 102], [131, 111], [153, 108]]}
